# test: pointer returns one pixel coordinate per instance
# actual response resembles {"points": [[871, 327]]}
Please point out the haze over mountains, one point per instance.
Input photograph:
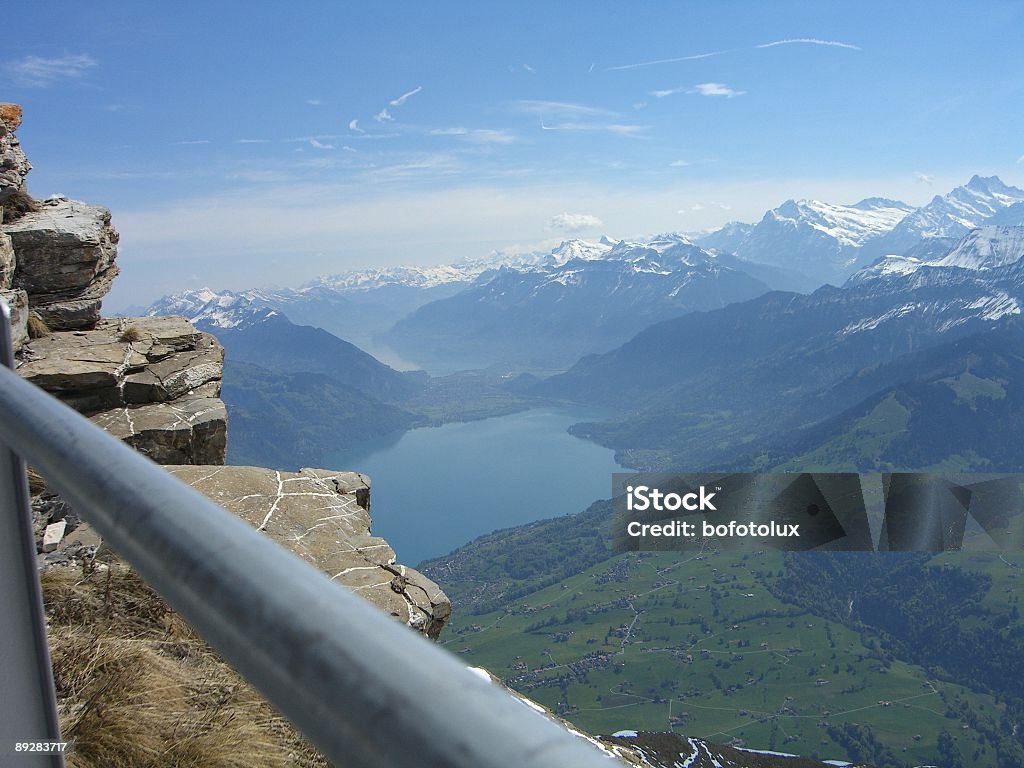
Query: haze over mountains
{"points": [[544, 310], [701, 359]]}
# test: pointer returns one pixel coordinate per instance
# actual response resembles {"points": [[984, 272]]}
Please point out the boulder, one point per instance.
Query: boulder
{"points": [[53, 535], [189, 430], [14, 166], [17, 302], [65, 261], [324, 517]]}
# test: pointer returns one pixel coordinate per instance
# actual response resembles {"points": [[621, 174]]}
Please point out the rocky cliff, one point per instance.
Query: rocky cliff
{"points": [[154, 382]]}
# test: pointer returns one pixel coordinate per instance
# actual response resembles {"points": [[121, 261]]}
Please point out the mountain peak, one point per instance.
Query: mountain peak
{"points": [[989, 185], [874, 203]]}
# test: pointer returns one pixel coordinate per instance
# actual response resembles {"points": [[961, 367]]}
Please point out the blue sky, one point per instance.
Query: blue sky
{"points": [[247, 144]]}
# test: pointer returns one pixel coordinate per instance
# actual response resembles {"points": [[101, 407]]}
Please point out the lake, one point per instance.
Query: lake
{"points": [[440, 487]]}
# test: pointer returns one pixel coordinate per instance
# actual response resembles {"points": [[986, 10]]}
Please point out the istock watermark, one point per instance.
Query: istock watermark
{"points": [[827, 511]]}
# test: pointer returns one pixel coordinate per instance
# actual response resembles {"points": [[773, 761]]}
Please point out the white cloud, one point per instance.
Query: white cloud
{"points": [[666, 92], [665, 61], [563, 108], [478, 135], [924, 178], [698, 207], [38, 72], [529, 69], [192, 143], [314, 102], [678, 164], [253, 141], [405, 97], [810, 41], [490, 136], [318, 137], [383, 116], [319, 144], [715, 89], [1020, 159], [574, 222], [353, 125], [619, 129]]}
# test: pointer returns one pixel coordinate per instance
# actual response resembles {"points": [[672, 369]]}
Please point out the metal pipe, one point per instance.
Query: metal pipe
{"points": [[28, 706], [364, 689]]}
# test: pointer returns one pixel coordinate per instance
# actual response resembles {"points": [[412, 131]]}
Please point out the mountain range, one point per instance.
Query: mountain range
{"points": [[829, 241], [541, 311], [696, 389], [586, 298]]}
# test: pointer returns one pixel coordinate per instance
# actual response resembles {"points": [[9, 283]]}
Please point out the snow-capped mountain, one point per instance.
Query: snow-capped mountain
{"points": [[727, 239], [411, 277], [587, 297], [464, 272], [209, 309], [951, 215], [820, 239], [982, 249], [986, 248], [830, 241]]}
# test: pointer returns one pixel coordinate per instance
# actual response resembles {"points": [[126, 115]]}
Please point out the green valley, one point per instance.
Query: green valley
{"points": [[710, 644]]}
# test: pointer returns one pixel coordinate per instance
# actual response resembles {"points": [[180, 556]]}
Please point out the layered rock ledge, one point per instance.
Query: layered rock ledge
{"points": [[153, 382]]}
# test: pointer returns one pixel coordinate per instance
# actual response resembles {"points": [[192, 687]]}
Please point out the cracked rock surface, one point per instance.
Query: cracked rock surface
{"points": [[192, 430], [324, 517]]}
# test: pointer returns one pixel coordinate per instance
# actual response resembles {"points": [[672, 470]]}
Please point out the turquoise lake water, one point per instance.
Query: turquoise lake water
{"points": [[438, 488]]}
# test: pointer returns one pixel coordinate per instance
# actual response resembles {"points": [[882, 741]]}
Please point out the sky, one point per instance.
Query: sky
{"points": [[264, 144]]}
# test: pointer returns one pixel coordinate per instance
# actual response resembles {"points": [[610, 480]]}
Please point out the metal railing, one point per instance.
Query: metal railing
{"points": [[363, 688]]}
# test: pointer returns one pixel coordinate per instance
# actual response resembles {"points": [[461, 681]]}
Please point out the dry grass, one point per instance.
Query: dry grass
{"points": [[130, 334], [36, 483], [17, 205], [37, 328], [137, 688]]}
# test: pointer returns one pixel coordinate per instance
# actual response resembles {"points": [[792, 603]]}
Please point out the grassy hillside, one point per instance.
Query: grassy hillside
{"points": [[708, 644]]}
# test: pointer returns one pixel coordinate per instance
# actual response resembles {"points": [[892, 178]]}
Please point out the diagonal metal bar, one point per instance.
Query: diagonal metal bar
{"points": [[363, 688], [28, 704]]}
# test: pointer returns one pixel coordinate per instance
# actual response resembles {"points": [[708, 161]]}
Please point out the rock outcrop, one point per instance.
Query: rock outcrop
{"points": [[65, 252], [14, 166], [154, 382], [324, 517]]}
